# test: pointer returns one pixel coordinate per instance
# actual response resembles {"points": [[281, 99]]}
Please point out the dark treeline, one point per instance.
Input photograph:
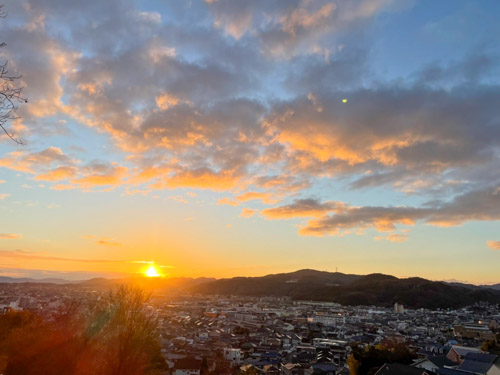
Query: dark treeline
{"points": [[366, 361], [114, 335]]}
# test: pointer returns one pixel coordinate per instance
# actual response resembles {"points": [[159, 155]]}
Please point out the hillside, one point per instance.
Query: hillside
{"points": [[101, 283], [494, 286], [348, 289], [294, 284], [374, 289]]}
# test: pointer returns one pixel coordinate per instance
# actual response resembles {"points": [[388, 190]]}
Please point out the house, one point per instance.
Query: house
{"points": [[271, 370], [457, 353], [250, 369], [474, 331], [434, 363], [187, 366], [400, 369], [480, 363], [325, 368], [433, 350], [232, 355], [297, 369]]}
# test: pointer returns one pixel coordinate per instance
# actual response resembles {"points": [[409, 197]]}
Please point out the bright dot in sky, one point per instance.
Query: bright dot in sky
{"points": [[344, 100], [152, 272]]}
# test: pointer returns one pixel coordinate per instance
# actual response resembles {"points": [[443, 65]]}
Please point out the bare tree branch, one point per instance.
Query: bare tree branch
{"points": [[10, 94]]}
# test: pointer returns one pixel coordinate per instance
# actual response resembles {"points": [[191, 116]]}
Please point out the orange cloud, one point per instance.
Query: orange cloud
{"points": [[57, 174], [110, 176], [494, 245], [303, 208], [104, 241], [23, 254], [203, 178], [394, 238], [136, 192], [63, 187], [149, 173], [32, 162], [10, 236], [165, 101], [178, 198], [227, 201], [252, 195], [108, 242], [247, 212]]}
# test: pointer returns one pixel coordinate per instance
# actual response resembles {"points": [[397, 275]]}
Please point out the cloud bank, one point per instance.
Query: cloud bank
{"points": [[247, 98]]}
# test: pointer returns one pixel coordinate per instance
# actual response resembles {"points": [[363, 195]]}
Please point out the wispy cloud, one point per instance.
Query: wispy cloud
{"points": [[393, 237], [29, 255], [494, 245], [103, 241], [108, 242], [247, 212], [228, 201], [10, 236], [36, 273]]}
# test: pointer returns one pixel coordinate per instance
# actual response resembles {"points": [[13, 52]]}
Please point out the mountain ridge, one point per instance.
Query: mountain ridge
{"points": [[372, 289], [308, 284]]}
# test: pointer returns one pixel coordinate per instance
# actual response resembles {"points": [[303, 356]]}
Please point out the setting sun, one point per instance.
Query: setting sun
{"points": [[152, 272]]}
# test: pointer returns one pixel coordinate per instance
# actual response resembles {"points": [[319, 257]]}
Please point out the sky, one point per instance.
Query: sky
{"points": [[245, 137]]}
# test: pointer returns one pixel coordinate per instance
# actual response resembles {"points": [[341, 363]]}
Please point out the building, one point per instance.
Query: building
{"points": [[457, 353], [400, 369], [398, 309], [475, 331], [187, 366], [232, 355]]}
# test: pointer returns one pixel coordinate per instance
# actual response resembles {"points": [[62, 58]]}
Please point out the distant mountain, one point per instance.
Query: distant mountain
{"points": [[374, 289], [160, 283], [348, 289], [5, 279], [294, 284], [180, 283], [494, 286]]}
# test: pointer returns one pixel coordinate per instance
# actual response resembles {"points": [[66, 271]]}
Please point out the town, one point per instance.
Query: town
{"points": [[269, 335]]}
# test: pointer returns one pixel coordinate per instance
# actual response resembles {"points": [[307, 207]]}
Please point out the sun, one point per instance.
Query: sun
{"points": [[151, 271]]}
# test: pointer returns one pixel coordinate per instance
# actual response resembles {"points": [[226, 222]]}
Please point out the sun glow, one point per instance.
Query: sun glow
{"points": [[151, 271]]}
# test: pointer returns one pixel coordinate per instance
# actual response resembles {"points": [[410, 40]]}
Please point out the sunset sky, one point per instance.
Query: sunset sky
{"points": [[246, 137]]}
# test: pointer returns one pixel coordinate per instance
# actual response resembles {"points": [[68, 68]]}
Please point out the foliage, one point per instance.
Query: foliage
{"points": [[353, 364], [374, 289], [241, 331], [367, 361], [491, 346], [116, 335]]}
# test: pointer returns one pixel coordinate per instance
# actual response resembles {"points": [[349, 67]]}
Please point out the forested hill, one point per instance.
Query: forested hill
{"points": [[373, 289]]}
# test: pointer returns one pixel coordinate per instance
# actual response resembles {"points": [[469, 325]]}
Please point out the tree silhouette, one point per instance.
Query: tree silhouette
{"points": [[123, 333], [10, 93], [115, 335]]}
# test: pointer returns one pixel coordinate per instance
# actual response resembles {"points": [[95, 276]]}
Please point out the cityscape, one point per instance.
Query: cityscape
{"points": [[235, 334], [282, 187]]}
